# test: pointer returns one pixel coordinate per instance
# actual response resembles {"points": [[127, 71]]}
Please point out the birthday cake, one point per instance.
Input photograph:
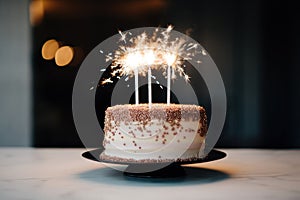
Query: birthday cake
{"points": [[156, 133]]}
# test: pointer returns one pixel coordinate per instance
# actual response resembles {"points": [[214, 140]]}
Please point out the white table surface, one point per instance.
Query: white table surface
{"points": [[29, 173]]}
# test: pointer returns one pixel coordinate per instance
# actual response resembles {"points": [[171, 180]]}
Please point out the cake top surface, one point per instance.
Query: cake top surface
{"points": [[142, 112], [156, 106]]}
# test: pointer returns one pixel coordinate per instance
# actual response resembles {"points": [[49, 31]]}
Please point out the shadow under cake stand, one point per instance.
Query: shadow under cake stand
{"points": [[154, 170]]}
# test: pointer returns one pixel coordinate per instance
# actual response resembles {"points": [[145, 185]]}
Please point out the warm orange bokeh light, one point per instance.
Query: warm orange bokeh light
{"points": [[49, 49], [36, 11], [64, 56]]}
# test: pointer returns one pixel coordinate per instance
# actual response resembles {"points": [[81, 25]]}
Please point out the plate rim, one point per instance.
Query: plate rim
{"points": [[213, 155]]}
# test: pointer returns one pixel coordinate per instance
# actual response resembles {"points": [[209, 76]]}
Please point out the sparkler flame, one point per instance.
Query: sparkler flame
{"points": [[156, 51], [170, 59]]}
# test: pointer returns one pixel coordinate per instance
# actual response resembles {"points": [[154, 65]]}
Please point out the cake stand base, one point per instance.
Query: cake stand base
{"points": [[170, 171], [154, 170]]}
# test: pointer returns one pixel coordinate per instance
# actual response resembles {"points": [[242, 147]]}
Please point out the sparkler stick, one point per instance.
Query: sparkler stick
{"points": [[169, 85], [149, 87], [149, 58], [170, 60], [136, 85]]}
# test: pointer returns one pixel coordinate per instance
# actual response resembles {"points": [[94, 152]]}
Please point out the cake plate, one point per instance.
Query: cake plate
{"points": [[154, 170]]}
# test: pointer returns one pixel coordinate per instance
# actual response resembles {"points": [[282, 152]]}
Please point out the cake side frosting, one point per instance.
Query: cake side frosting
{"points": [[162, 132]]}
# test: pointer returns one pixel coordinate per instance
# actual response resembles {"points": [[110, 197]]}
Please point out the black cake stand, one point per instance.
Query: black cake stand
{"points": [[154, 170]]}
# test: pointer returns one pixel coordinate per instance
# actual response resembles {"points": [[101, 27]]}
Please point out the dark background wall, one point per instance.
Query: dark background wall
{"points": [[254, 43]]}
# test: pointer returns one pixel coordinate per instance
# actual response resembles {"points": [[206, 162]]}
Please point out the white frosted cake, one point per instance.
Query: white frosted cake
{"points": [[162, 133]]}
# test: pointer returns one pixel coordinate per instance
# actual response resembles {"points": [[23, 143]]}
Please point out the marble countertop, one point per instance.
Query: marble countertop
{"points": [[30, 173]]}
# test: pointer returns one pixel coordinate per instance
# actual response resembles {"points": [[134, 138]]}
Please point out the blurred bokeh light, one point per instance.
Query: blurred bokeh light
{"points": [[36, 12], [64, 56], [49, 49]]}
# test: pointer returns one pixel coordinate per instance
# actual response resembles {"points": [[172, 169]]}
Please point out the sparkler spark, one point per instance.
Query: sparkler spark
{"points": [[123, 36], [156, 51], [186, 77], [106, 81]]}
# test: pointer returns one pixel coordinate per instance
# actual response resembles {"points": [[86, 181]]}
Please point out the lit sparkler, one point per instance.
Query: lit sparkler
{"points": [[142, 53], [106, 81]]}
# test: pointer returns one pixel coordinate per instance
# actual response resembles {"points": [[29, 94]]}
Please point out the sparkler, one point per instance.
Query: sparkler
{"points": [[142, 53], [149, 60], [170, 59]]}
